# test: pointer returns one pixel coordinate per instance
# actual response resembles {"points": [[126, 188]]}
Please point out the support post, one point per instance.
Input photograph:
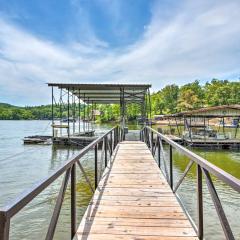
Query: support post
{"points": [[199, 203], [117, 135], [73, 110], [68, 112], [111, 143], [4, 226], [84, 114], [159, 152], [96, 165], [152, 145], [92, 118], [105, 150], [73, 201], [88, 113], [52, 116], [171, 167], [60, 105], [79, 113]]}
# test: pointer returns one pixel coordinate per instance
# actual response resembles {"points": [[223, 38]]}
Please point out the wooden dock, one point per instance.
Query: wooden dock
{"points": [[134, 201]]}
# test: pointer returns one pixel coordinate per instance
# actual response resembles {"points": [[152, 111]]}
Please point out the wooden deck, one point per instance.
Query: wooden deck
{"points": [[134, 202]]}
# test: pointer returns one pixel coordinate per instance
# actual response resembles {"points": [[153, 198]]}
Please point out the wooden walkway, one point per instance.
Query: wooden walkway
{"points": [[134, 202]]}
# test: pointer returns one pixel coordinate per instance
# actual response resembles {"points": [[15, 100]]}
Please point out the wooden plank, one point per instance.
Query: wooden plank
{"points": [[130, 237], [141, 230], [133, 201]]}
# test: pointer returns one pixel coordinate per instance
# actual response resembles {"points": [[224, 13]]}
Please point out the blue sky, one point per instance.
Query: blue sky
{"points": [[106, 41]]}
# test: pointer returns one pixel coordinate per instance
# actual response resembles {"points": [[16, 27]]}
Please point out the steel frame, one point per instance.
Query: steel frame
{"points": [[107, 142], [203, 168]]}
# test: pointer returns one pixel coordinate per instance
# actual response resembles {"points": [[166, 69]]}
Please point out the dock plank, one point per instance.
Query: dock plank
{"points": [[133, 201]]}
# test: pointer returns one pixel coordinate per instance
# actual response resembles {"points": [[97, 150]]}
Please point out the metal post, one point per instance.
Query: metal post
{"points": [[61, 111], [68, 112], [4, 226], [199, 203], [73, 201], [52, 116], [105, 150], [114, 138], [117, 135], [159, 152], [111, 143], [73, 110], [150, 107], [224, 128], [84, 113], [79, 113], [152, 145], [171, 166], [96, 165], [88, 113], [92, 118]]}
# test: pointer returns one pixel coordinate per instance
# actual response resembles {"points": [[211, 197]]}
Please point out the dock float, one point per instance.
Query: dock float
{"points": [[134, 201]]}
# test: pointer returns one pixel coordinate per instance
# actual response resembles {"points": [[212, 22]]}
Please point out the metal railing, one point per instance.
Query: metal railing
{"points": [[106, 144], [155, 140]]}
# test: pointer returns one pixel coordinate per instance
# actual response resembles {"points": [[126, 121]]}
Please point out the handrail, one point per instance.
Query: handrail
{"points": [[213, 169], [204, 168], [7, 212]]}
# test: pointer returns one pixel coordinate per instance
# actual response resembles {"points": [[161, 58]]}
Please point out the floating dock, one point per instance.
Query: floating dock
{"points": [[214, 143], [37, 139], [134, 201], [74, 140]]}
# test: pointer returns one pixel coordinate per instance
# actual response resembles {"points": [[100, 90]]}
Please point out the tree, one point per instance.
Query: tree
{"points": [[170, 98], [220, 92], [191, 96]]}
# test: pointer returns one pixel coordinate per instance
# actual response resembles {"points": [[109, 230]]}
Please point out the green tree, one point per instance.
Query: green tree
{"points": [[191, 96], [170, 98]]}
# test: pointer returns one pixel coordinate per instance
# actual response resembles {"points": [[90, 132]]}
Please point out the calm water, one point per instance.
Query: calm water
{"points": [[23, 165]]}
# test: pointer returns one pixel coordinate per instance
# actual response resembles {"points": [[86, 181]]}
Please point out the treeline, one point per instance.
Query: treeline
{"points": [[43, 112], [171, 99], [10, 112]]}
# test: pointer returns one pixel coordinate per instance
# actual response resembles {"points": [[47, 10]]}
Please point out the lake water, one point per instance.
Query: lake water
{"points": [[23, 165]]}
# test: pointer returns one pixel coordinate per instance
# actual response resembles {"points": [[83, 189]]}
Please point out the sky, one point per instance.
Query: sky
{"points": [[114, 41]]}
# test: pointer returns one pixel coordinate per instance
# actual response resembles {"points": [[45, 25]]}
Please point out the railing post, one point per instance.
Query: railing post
{"points": [[152, 146], [171, 166], [145, 136], [73, 201], [111, 143], [4, 226], [96, 165], [159, 151], [105, 150], [199, 203], [115, 137]]}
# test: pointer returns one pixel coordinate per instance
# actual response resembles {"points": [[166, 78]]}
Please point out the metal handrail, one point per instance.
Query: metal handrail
{"points": [[203, 168], [7, 212], [213, 169]]}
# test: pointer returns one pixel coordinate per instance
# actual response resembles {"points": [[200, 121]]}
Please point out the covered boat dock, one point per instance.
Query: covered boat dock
{"points": [[80, 103], [216, 126]]}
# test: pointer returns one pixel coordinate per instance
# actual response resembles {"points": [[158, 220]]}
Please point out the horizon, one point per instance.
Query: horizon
{"points": [[148, 41]]}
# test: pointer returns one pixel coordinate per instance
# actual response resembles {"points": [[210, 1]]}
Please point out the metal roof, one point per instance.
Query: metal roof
{"points": [[105, 93], [215, 111]]}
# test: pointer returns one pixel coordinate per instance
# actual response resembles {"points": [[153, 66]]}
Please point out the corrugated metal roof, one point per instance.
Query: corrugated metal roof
{"points": [[215, 111], [105, 93]]}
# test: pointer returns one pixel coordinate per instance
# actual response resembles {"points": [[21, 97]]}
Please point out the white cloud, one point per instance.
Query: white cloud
{"points": [[193, 41]]}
